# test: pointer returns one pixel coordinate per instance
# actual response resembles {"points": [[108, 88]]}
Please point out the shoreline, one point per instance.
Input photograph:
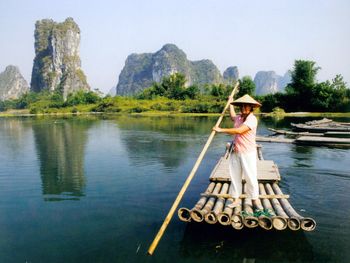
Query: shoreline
{"points": [[25, 113]]}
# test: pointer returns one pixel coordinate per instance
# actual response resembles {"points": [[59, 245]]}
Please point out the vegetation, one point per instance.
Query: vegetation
{"points": [[172, 95], [305, 94]]}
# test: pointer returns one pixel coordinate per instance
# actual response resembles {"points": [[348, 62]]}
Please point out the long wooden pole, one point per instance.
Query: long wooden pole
{"points": [[188, 180]]}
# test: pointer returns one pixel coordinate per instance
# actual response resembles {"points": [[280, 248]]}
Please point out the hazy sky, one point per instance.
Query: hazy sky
{"points": [[252, 35]]}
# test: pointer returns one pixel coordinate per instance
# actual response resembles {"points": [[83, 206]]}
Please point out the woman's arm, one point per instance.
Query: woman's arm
{"points": [[232, 131], [232, 108]]}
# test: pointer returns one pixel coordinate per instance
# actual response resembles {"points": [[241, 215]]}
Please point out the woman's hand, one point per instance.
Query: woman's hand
{"points": [[217, 129], [230, 99]]}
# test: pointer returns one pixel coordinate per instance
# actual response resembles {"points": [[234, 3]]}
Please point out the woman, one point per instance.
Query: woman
{"points": [[242, 160]]}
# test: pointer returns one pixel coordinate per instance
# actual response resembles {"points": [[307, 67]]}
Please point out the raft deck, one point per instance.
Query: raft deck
{"points": [[213, 206]]}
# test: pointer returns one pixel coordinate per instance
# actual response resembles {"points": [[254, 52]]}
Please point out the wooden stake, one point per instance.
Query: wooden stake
{"points": [[188, 180]]}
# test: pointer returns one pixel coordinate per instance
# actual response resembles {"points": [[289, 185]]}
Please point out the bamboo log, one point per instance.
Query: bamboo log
{"points": [[278, 208], [278, 222], [224, 217], [294, 217], [212, 217], [249, 221], [295, 220], [236, 219], [264, 221], [189, 179], [184, 213], [198, 214]]}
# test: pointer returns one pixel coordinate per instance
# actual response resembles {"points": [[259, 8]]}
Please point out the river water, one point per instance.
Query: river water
{"points": [[97, 189]]}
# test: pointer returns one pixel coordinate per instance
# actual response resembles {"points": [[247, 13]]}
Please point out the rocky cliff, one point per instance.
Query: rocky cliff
{"points": [[57, 64], [268, 82], [231, 74], [141, 70], [12, 83]]}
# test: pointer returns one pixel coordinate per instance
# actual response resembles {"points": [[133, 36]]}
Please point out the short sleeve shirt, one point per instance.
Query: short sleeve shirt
{"points": [[245, 142]]}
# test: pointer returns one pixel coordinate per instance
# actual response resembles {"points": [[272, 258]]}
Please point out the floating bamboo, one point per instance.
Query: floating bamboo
{"points": [[224, 218], [282, 216], [295, 220], [236, 219], [198, 214], [278, 222], [185, 214], [212, 217], [249, 221], [189, 179]]}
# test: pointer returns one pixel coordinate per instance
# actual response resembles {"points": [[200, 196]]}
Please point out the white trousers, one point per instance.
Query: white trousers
{"points": [[243, 165]]}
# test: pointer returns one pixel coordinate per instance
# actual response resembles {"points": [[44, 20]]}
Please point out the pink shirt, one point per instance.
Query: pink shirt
{"points": [[245, 142]]}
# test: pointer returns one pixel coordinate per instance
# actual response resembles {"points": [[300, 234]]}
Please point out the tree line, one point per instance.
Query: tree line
{"points": [[303, 93]]}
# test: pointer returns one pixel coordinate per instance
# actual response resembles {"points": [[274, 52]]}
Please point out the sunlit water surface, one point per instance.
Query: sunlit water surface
{"points": [[94, 189]]}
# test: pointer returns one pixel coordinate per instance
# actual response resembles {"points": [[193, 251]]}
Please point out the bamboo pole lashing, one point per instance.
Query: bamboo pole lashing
{"points": [[189, 179]]}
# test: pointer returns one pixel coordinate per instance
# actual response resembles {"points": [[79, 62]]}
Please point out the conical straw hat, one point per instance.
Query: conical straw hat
{"points": [[246, 99]]}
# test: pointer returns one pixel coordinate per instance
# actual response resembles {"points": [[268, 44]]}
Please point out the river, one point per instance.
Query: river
{"points": [[97, 189]]}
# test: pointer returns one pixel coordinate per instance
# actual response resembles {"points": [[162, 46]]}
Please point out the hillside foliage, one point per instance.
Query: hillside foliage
{"points": [[304, 93]]}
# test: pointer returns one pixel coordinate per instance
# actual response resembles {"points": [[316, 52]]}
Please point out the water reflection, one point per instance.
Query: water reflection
{"points": [[14, 133], [60, 145], [162, 140]]}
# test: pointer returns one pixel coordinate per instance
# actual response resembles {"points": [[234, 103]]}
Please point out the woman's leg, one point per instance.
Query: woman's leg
{"points": [[235, 170], [249, 170]]}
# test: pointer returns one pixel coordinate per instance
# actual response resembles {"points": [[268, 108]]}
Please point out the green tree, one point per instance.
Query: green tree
{"points": [[246, 86], [172, 87], [299, 91]]}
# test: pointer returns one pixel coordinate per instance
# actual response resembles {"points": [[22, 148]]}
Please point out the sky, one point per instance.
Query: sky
{"points": [[254, 35]]}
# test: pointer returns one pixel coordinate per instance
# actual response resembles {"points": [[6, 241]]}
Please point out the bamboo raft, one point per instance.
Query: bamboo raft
{"points": [[324, 125], [322, 134], [213, 205]]}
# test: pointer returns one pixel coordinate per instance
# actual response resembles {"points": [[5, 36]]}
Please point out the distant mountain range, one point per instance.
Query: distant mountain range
{"points": [[141, 70], [57, 67]]}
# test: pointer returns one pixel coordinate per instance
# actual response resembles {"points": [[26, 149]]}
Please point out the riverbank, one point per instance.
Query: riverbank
{"points": [[69, 112]]}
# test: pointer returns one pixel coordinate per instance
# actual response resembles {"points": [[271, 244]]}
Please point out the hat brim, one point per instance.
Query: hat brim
{"points": [[255, 105]]}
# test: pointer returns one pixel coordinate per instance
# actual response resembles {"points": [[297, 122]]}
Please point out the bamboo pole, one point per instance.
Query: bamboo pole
{"points": [[184, 213], [295, 220], [188, 180], [278, 209], [278, 222], [198, 214], [265, 222], [249, 221], [212, 217], [236, 219], [224, 217], [294, 217]]}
